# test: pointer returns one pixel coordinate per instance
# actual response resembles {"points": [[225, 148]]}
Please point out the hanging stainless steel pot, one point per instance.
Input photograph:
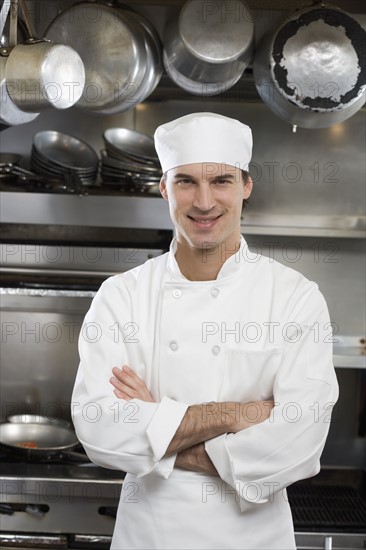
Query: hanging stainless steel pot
{"points": [[112, 47], [312, 70], [208, 46], [10, 114], [40, 74]]}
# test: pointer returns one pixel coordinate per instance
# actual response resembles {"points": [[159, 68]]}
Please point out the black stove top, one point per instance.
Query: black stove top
{"points": [[327, 507]]}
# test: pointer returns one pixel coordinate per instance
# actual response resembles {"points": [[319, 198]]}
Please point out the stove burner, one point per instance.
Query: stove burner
{"points": [[335, 507], [9, 455]]}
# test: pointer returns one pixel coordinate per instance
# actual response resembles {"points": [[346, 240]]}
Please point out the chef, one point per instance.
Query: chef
{"points": [[206, 373]]}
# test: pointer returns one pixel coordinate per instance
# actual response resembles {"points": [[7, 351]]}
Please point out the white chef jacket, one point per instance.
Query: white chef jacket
{"points": [[259, 330]]}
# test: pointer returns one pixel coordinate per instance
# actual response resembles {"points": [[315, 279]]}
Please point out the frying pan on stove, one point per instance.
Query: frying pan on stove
{"points": [[40, 441]]}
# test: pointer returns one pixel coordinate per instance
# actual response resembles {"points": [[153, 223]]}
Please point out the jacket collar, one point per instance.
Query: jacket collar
{"points": [[230, 268]]}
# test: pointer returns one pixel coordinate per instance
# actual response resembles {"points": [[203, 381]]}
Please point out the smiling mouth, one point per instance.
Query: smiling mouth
{"points": [[205, 221]]}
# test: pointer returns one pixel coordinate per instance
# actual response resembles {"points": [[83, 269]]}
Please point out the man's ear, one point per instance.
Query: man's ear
{"points": [[162, 187], [248, 187]]}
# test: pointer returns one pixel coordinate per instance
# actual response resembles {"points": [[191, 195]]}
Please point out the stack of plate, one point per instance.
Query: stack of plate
{"points": [[65, 156], [130, 161]]}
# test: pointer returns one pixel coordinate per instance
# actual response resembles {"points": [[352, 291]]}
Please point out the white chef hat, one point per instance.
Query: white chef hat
{"points": [[203, 137]]}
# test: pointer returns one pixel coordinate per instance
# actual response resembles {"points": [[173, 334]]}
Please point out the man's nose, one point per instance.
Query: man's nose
{"points": [[204, 199]]}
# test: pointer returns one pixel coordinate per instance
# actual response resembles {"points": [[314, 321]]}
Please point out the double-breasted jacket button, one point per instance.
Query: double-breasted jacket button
{"points": [[173, 346], [177, 293], [215, 292]]}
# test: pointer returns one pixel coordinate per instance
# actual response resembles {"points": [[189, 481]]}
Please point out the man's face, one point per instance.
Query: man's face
{"points": [[205, 202]]}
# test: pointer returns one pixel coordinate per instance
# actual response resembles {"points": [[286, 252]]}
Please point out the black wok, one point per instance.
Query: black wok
{"points": [[40, 441]]}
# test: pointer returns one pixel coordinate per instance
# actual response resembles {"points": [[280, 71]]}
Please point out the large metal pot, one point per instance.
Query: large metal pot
{"points": [[40, 74], [10, 114], [312, 70], [112, 44], [208, 46]]}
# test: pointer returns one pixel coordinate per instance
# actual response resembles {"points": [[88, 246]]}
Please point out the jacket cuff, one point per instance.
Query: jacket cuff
{"points": [[163, 426], [219, 454]]}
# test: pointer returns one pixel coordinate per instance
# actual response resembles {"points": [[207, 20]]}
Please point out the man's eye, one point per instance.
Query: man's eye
{"points": [[222, 181], [184, 181]]}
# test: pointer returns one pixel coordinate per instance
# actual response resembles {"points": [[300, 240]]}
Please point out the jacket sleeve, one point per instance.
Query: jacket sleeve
{"points": [[265, 458], [133, 435]]}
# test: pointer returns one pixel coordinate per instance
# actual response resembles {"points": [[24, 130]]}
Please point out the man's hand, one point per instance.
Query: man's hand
{"points": [[128, 385], [196, 459]]}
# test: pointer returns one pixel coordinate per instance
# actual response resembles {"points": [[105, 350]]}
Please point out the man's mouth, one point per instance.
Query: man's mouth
{"points": [[203, 221]]}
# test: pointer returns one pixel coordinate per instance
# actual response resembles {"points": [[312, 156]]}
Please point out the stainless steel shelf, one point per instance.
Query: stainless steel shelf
{"points": [[96, 210], [353, 227], [349, 352], [85, 210], [349, 361]]}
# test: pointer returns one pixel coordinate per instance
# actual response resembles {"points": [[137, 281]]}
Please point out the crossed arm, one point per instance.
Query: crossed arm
{"points": [[200, 423]]}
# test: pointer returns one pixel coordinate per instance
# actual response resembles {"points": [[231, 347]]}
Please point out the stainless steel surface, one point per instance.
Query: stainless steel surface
{"points": [[308, 81], [340, 541], [32, 541], [130, 142], [40, 75], [154, 61], [75, 495], [40, 325], [350, 352], [113, 211], [5, 9], [45, 437], [27, 19], [206, 50], [113, 51], [154, 64], [129, 166], [65, 150], [68, 262], [10, 114], [37, 419]]}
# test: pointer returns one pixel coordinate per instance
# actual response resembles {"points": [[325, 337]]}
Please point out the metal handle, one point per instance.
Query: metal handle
{"points": [[5, 8], [13, 33], [328, 543], [33, 541], [92, 539], [27, 20]]}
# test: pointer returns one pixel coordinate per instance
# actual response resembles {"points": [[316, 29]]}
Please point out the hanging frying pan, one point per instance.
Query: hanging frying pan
{"points": [[40, 441], [312, 70]]}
